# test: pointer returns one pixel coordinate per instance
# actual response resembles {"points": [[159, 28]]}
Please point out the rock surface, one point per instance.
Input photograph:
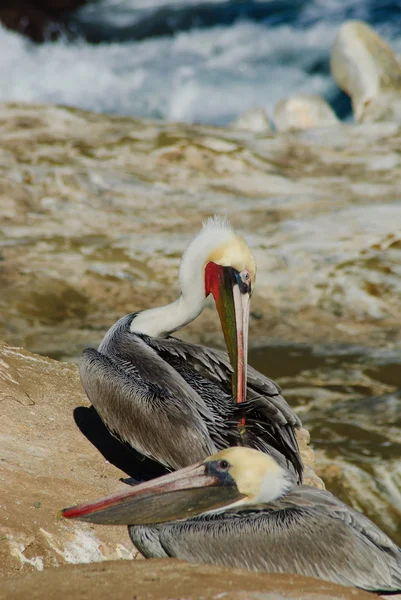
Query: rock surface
{"points": [[374, 491], [169, 579], [303, 111], [46, 463], [366, 68], [96, 211]]}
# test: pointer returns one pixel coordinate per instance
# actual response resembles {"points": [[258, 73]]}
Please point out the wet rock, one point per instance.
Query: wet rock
{"points": [[47, 462], [39, 20], [150, 580], [320, 211], [361, 462], [374, 490], [366, 68], [254, 119], [303, 111]]}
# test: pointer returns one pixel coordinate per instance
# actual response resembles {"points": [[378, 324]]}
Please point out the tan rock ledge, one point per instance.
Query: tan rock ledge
{"points": [[173, 579], [46, 463], [366, 68]]}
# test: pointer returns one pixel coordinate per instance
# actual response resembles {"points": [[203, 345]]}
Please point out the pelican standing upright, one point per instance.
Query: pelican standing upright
{"points": [[177, 402]]}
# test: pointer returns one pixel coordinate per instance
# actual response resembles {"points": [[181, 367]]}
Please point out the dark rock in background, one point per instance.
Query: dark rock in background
{"points": [[39, 20]]}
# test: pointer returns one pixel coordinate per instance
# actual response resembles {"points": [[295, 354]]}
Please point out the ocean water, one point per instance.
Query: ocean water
{"points": [[186, 60]]}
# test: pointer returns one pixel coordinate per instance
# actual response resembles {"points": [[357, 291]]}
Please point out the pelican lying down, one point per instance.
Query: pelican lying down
{"points": [[242, 509], [178, 402]]}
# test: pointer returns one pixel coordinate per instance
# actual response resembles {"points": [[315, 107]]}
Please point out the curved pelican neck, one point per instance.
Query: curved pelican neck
{"points": [[163, 320], [160, 322]]}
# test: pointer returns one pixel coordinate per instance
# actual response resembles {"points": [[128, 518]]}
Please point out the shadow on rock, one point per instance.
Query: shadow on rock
{"points": [[118, 453]]}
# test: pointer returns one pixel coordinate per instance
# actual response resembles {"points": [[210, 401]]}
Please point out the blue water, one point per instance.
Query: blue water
{"points": [[189, 61]]}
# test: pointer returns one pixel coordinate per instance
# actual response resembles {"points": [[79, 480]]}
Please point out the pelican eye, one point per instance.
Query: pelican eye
{"points": [[223, 465], [245, 281]]}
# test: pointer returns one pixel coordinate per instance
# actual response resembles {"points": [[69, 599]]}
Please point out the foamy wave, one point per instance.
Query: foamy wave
{"points": [[208, 75]]}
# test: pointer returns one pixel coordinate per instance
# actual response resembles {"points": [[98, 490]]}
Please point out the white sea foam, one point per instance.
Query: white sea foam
{"points": [[208, 75]]}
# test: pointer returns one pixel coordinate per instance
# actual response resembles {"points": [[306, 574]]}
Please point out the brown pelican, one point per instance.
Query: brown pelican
{"points": [[250, 514], [174, 401]]}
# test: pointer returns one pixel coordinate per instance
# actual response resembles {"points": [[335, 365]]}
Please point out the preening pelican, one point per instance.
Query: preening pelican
{"points": [[242, 509], [177, 402]]}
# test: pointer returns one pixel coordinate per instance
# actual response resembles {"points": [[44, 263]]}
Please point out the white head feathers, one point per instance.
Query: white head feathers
{"points": [[216, 242]]}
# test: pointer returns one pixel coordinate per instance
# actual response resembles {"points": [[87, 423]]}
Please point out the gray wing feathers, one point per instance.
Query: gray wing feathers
{"points": [[286, 538], [322, 501], [140, 384], [270, 421], [216, 364], [146, 538], [132, 406]]}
